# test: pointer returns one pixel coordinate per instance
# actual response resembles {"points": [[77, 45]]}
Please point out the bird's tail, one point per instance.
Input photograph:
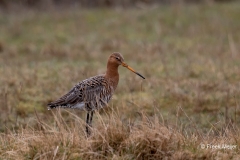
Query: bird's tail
{"points": [[51, 106]]}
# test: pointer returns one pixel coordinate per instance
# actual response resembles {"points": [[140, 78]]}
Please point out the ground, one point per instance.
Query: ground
{"points": [[189, 55]]}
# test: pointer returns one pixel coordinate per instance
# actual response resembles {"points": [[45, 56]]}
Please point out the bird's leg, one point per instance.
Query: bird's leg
{"points": [[89, 122], [87, 125]]}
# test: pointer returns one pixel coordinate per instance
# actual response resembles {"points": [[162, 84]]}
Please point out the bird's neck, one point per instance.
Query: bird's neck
{"points": [[112, 73], [112, 70]]}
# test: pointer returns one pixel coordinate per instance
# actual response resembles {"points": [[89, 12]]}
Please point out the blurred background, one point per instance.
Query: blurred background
{"points": [[188, 50], [99, 3]]}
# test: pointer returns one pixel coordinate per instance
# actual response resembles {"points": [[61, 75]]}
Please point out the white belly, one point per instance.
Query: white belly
{"points": [[79, 105]]}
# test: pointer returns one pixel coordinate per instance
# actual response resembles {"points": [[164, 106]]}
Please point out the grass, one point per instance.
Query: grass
{"points": [[188, 54]]}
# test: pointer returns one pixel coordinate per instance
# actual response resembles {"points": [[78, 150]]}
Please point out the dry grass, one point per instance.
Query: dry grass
{"points": [[189, 55], [112, 139]]}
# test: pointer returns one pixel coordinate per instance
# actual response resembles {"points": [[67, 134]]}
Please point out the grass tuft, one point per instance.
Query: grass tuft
{"points": [[188, 54]]}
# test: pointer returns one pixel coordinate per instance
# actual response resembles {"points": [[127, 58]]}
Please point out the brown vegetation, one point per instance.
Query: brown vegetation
{"points": [[188, 54], [113, 139], [97, 3]]}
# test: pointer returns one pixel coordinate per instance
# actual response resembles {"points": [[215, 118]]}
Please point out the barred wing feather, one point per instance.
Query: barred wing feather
{"points": [[92, 93]]}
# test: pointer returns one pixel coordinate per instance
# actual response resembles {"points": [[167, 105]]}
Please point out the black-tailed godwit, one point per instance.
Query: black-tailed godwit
{"points": [[95, 92]]}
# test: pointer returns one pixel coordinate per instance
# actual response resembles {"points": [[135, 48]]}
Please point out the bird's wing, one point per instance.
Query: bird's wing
{"points": [[89, 91], [97, 92]]}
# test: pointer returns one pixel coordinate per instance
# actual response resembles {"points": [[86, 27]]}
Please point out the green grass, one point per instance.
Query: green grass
{"points": [[188, 54]]}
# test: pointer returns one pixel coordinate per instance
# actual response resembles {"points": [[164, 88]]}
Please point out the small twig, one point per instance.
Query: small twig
{"points": [[194, 125], [236, 106], [38, 119]]}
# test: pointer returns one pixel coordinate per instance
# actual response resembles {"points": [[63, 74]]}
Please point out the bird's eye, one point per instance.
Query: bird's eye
{"points": [[117, 58]]}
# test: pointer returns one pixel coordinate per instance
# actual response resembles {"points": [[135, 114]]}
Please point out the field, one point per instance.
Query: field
{"points": [[189, 100]]}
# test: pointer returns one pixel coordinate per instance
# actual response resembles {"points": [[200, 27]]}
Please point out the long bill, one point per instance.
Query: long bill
{"points": [[125, 65]]}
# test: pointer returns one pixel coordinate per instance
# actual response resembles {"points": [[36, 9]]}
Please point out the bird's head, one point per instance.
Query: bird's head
{"points": [[117, 59]]}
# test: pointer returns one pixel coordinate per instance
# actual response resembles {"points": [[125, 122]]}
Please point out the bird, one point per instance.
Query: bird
{"points": [[95, 92]]}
